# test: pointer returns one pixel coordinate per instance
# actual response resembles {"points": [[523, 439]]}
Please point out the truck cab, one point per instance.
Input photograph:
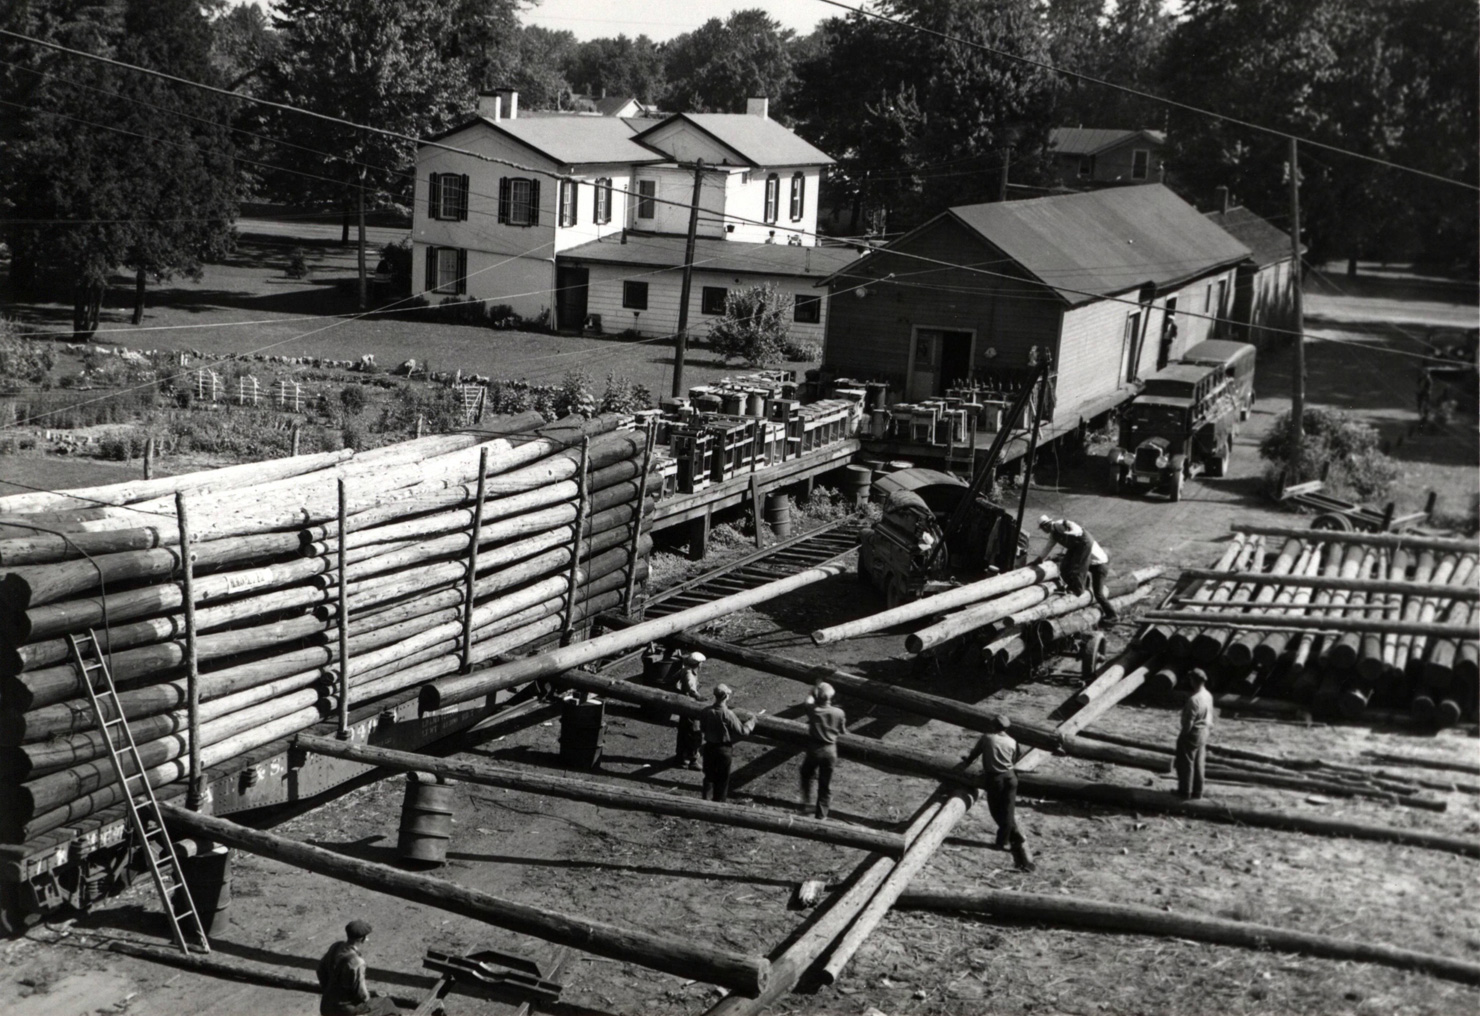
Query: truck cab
{"points": [[1181, 424], [902, 551]]}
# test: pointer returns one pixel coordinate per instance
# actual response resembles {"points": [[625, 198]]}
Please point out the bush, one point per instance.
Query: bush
{"points": [[353, 399], [801, 350], [623, 396], [395, 259], [297, 264], [1344, 449], [23, 362], [755, 327]]}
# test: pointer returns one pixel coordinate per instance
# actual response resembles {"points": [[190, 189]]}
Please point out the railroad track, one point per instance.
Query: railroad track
{"points": [[790, 556]]}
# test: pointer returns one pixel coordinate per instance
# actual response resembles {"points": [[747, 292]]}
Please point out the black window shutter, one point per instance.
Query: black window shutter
{"points": [[431, 269], [434, 196], [503, 199], [462, 271], [534, 202], [462, 212]]}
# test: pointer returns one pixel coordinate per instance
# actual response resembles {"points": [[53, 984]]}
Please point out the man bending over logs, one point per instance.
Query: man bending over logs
{"points": [[1083, 557], [825, 722], [1192, 742], [999, 757], [721, 726]]}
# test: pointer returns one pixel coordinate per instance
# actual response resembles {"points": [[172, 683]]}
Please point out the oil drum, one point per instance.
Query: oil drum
{"points": [[778, 514], [208, 876], [426, 821]]}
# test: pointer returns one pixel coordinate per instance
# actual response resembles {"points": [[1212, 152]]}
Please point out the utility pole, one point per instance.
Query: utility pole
{"points": [[363, 302], [681, 340], [1297, 393], [1006, 165]]}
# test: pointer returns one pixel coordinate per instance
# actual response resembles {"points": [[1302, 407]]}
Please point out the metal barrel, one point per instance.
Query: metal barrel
{"points": [[856, 483], [755, 404], [208, 876], [778, 513], [426, 821]]}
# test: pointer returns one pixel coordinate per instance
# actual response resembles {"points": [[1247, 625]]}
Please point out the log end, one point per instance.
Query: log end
{"points": [[15, 593], [821, 637], [913, 643]]}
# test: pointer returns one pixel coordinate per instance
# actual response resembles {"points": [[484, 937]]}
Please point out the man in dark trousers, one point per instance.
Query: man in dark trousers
{"points": [[1082, 555], [1192, 742], [999, 757], [342, 978], [825, 722], [690, 738], [721, 727]]}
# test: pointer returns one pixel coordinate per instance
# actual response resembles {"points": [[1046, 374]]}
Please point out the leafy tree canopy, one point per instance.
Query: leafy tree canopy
{"points": [[720, 64], [620, 66]]}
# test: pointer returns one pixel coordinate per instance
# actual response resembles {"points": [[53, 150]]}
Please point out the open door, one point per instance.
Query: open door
{"points": [[571, 288]]}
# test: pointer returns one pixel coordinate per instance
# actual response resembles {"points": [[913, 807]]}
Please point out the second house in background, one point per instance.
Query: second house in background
{"points": [[577, 216]]}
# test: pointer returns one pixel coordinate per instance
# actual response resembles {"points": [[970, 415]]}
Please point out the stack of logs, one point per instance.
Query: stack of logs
{"points": [[1334, 621], [316, 583], [1022, 612]]}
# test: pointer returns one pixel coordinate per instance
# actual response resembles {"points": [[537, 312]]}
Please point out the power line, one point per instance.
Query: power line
{"points": [[1140, 93]]}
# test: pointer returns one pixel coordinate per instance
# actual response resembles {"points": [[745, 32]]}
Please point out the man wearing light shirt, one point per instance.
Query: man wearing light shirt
{"points": [[1082, 554], [999, 753]]}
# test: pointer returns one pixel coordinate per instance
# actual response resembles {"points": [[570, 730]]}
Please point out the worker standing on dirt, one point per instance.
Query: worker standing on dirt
{"points": [[825, 723], [690, 737], [342, 978], [1192, 742], [721, 727], [1083, 556], [999, 760]]}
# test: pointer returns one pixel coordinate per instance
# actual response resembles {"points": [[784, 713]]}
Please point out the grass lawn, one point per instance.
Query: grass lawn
{"points": [[248, 305]]}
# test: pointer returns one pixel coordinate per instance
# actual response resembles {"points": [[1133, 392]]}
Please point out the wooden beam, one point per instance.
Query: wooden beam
{"points": [[1411, 541], [1253, 619], [1441, 590]]}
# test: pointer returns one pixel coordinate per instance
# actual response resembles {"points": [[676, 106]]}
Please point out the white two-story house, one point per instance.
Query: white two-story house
{"points": [[580, 220]]}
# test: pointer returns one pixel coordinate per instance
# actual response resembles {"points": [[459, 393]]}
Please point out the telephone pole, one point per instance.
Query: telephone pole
{"points": [[681, 340], [1297, 393]]}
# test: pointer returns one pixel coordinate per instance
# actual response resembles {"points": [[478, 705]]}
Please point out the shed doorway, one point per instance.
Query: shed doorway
{"points": [[571, 288], [940, 359]]}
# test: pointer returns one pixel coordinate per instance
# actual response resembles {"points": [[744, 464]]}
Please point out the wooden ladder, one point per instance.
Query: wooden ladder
{"points": [[138, 795]]}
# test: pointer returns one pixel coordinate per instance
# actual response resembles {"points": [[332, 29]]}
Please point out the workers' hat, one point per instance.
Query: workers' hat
{"points": [[998, 722], [1197, 675], [722, 691], [357, 929], [696, 657], [823, 691], [1045, 522]]}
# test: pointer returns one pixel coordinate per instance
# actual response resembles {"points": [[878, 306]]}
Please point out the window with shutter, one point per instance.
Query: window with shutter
{"points": [[462, 271], [462, 206], [773, 196], [431, 269], [603, 203], [568, 200], [798, 196], [434, 196], [503, 198]]}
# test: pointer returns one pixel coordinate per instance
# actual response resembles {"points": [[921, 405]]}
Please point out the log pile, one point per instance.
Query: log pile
{"points": [[317, 582], [1006, 616], [1377, 625]]}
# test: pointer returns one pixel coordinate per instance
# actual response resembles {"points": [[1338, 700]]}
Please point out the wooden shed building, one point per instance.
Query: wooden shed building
{"points": [[1110, 284], [1264, 297]]}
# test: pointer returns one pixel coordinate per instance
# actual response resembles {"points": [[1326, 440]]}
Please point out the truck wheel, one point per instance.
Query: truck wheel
{"points": [[1177, 485]]}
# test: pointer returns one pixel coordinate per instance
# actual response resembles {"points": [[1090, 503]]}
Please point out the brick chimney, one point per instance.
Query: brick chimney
{"points": [[499, 104], [1222, 193], [758, 107]]}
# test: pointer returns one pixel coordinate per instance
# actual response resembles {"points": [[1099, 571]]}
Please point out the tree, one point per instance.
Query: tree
{"points": [[540, 76], [1395, 79], [720, 64], [105, 166], [1121, 42], [756, 326], [620, 66]]}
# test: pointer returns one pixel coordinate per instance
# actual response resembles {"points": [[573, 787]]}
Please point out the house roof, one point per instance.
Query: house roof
{"points": [[1269, 244], [1094, 140], [710, 255], [758, 140], [570, 138], [613, 105], [1099, 243]]}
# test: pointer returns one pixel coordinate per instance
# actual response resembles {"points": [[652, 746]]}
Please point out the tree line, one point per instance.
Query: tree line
{"points": [[103, 168]]}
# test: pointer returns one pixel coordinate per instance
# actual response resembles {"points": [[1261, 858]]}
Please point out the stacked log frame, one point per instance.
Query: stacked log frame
{"points": [[436, 582], [1330, 623]]}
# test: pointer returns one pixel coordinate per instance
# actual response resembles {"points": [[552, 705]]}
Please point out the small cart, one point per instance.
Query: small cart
{"points": [[1348, 516]]}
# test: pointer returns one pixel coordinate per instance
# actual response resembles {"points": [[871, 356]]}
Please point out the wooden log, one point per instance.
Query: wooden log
{"points": [[1153, 638], [1001, 653], [449, 692], [921, 849], [1239, 651], [217, 966], [1111, 674], [1443, 764], [940, 603], [1079, 913], [1408, 541], [1047, 631], [1455, 572], [683, 956], [1340, 653], [1333, 624], [1208, 643], [1163, 680], [610, 796], [1401, 587], [1179, 640], [1291, 598], [1107, 700]]}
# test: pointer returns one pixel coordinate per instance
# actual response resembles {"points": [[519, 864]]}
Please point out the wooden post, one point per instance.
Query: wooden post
{"points": [[1297, 392], [682, 956], [192, 661], [343, 613], [1037, 423], [467, 636], [421, 422], [297, 442], [681, 337], [149, 457], [642, 482], [755, 510], [582, 507]]}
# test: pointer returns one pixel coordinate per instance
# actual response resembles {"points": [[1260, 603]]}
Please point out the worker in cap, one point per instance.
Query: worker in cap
{"points": [[343, 991], [1192, 743], [1083, 558], [825, 724], [999, 754], [690, 739], [721, 727]]}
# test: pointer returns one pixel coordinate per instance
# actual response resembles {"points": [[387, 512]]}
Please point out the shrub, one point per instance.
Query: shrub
{"points": [[755, 327], [1344, 449], [297, 264], [353, 399], [23, 362], [623, 396], [801, 350], [395, 259]]}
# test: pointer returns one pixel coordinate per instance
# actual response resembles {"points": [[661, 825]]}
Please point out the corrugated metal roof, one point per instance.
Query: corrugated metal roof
{"points": [[714, 255], [1094, 140], [758, 140], [1270, 244], [1104, 242]]}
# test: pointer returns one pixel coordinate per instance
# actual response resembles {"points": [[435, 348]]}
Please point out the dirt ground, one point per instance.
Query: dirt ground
{"points": [[731, 886]]}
